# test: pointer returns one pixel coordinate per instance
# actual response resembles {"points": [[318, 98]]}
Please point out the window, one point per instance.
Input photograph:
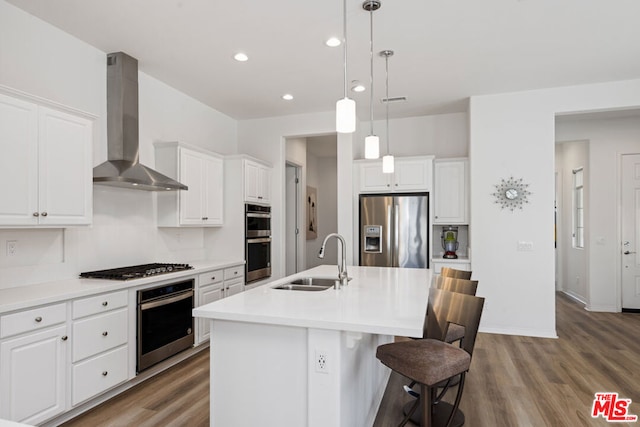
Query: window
{"points": [[578, 208]]}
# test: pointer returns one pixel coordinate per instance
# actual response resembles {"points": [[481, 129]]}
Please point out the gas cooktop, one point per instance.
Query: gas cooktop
{"points": [[135, 271]]}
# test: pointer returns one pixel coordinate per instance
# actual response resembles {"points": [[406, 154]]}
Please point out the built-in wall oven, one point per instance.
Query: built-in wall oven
{"points": [[257, 241], [165, 322]]}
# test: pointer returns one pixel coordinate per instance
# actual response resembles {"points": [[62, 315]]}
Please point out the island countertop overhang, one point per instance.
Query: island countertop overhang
{"points": [[378, 300]]}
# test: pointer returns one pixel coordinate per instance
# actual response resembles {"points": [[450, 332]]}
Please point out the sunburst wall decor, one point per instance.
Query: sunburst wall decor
{"points": [[511, 194]]}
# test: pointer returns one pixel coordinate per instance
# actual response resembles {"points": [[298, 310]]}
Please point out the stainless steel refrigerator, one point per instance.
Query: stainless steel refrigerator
{"points": [[394, 230]]}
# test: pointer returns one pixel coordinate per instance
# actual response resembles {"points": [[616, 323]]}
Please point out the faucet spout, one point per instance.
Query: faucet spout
{"points": [[342, 267]]}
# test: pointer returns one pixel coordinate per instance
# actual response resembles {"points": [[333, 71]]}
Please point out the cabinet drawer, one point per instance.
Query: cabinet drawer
{"points": [[210, 277], [97, 334], [99, 304], [99, 374], [234, 272], [31, 320]]}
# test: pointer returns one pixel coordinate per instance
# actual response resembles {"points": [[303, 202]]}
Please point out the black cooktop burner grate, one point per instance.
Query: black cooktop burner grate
{"points": [[136, 271]]}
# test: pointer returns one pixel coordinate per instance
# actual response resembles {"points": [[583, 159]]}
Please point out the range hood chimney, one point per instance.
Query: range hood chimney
{"points": [[122, 169]]}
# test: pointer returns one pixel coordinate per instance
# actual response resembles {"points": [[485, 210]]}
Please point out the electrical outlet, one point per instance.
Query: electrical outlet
{"points": [[12, 247], [322, 362]]}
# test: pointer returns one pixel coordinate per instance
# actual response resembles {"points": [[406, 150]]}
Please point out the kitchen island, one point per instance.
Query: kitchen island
{"points": [[307, 358]]}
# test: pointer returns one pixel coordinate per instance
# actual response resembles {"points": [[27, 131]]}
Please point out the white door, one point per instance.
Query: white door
{"points": [[631, 231], [192, 175], [291, 219], [33, 376], [214, 184], [65, 180], [18, 162]]}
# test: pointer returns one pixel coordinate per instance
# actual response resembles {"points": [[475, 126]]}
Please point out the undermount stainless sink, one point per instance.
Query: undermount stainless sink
{"points": [[309, 284], [298, 287]]}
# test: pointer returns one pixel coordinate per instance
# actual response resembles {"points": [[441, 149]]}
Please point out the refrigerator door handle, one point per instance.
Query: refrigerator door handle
{"points": [[390, 235], [396, 238]]}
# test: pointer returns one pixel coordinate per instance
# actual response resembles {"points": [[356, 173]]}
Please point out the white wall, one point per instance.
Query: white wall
{"points": [[39, 59], [513, 135], [573, 261], [442, 135], [608, 139], [322, 175]]}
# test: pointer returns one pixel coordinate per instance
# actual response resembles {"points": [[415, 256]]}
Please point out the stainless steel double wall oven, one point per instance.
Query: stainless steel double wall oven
{"points": [[257, 241]]}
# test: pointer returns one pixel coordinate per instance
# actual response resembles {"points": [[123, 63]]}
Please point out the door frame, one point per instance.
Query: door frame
{"points": [[300, 253]]}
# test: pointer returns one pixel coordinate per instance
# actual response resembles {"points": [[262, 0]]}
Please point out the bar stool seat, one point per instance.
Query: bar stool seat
{"points": [[427, 361]]}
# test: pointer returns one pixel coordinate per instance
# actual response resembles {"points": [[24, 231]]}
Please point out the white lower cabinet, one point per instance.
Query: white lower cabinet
{"points": [[213, 286], [33, 364], [458, 264], [100, 345], [97, 374]]}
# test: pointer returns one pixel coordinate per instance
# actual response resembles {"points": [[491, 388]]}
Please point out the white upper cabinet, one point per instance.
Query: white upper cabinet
{"points": [[202, 171], [451, 194], [410, 174], [257, 182], [47, 163]]}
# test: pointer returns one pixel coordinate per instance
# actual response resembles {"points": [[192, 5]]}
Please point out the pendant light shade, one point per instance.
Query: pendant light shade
{"points": [[346, 115], [345, 107], [371, 142], [387, 164], [387, 161], [372, 147]]}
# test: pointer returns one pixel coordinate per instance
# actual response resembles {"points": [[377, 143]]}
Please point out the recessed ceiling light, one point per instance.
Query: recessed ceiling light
{"points": [[356, 86], [240, 57], [333, 42], [287, 97]]}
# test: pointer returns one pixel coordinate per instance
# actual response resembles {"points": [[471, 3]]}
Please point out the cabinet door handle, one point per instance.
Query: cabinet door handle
{"points": [[105, 303], [36, 214], [44, 213], [213, 278], [105, 373], [38, 319], [105, 333], [64, 338]]}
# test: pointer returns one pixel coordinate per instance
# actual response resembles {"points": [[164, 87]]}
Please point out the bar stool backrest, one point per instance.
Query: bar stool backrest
{"points": [[452, 272]]}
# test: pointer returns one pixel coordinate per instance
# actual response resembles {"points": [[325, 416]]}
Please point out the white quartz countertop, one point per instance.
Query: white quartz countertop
{"points": [[21, 297], [378, 300]]}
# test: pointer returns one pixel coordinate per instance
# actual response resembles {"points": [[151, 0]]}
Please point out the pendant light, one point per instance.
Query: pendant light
{"points": [[345, 107], [387, 161], [371, 142]]}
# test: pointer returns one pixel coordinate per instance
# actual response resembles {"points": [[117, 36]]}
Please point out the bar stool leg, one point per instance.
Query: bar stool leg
{"points": [[426, 399]]}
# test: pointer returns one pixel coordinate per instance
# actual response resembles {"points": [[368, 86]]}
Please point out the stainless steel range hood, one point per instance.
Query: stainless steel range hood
{"points": [[122, 169]]}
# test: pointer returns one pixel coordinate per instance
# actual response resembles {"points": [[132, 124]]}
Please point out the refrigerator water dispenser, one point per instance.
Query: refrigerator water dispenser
{"points": [[373, 239]]}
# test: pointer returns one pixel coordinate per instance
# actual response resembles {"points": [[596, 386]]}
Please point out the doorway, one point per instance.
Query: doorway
{"points": [[630, 218]]}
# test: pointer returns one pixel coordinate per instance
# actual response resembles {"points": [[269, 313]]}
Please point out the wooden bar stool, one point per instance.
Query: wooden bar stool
{"points": [[431, 361], [452, 272]]}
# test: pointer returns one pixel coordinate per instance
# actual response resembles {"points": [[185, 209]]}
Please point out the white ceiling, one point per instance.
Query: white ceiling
{"points": [[445, 50]]}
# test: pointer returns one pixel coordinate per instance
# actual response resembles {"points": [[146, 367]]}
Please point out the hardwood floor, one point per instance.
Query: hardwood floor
{"points": [[523, 381], [177, 397], [513, 380]]}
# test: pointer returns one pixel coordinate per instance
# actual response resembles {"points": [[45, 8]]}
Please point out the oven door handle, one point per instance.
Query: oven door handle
{"points": [[263, 240], [165, 301], [258, 215]]}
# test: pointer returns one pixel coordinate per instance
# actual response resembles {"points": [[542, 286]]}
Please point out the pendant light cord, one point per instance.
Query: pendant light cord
{"points": [[387, 100], [344, 34], [371, 77]]}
